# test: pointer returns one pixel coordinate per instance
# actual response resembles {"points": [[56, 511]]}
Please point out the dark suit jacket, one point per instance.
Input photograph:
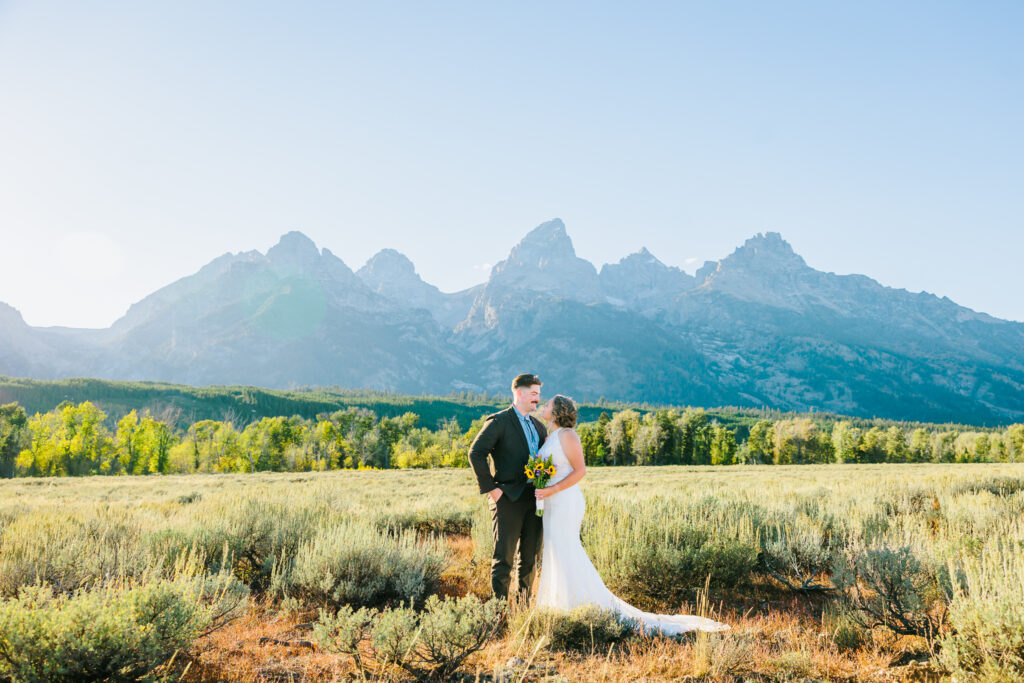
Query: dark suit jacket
{"points": [[503, 439]]}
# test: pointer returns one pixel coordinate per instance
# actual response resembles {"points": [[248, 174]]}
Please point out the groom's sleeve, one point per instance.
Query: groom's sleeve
{"points": [[483, 444]]}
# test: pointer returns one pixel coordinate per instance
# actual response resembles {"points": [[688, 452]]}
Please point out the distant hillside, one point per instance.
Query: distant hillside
{"points": [[239, 404], [185, 405]]}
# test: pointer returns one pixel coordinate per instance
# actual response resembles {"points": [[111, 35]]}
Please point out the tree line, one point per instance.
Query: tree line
{"points": [[693, 437], [76, 439]]}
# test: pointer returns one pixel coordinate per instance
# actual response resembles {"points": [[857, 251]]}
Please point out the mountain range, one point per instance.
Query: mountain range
{"points": [[757, 328]]}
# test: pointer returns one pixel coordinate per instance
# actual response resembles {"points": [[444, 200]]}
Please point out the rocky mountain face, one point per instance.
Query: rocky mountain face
{"points": [[545, 262], [642, 283], [758, 328], [392, 275]]}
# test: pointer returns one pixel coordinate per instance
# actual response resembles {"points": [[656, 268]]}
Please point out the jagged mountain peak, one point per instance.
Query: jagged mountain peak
{"points": [[641, 280], [759, 267], [297, 253], [548, 238], [545, 261], [641, 257], [548, 232], [294, 248], [766, 249], [389, 261], [391, 273]]}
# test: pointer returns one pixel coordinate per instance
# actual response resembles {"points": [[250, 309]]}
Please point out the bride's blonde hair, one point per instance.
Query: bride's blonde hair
{"points": [[564, 412]]}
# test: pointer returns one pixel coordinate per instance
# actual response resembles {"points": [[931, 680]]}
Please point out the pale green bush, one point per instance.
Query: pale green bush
{"points": [[663, 550], [986, 641], [585, 629], [341, 632], [671, 572], [115, 632], [69, 550], [431, 645], [430, 519], [454, 628], [256, 533], [894, 588], [394, 635], [799, 551], [353, 563], [846, 631]]}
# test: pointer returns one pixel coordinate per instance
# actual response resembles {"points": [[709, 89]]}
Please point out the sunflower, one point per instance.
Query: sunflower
{"points": [[551, 470], [529, 474]]}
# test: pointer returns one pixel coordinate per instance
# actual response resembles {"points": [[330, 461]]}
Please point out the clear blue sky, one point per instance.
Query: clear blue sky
{"points": [[139, 140]]}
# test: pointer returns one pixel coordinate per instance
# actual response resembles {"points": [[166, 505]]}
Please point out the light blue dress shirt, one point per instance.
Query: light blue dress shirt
{"points": [[532, 438]]}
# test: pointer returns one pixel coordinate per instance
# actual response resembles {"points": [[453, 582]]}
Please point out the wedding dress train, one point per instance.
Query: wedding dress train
{"points": [[568, 579]]}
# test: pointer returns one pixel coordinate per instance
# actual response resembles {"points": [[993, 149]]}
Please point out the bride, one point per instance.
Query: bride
{"points": [[567, 577]]}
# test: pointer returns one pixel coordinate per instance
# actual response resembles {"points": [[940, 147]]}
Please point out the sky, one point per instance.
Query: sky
{"points": [[138, 141]]}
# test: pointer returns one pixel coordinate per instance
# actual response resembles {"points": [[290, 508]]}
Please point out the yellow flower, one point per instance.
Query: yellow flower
{"points": [[529, 474], [551, 470]]}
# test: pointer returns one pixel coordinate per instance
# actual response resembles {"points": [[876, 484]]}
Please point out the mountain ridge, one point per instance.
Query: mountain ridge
{"points": [[758, 327]]}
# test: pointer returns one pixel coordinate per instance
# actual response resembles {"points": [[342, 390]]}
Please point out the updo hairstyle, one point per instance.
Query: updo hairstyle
{"points": [[563, 411]]}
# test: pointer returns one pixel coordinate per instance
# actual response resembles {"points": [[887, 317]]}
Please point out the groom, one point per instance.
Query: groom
{"points": [[510, 437]]}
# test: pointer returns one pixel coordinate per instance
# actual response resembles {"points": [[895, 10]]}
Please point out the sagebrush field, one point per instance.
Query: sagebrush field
{"points": [[828, 572]]}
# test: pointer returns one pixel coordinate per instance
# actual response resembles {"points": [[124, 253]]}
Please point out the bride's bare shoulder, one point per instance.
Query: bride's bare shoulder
{"points": [[568, 435]]}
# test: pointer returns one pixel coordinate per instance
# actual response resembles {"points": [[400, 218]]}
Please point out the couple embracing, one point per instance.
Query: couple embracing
{"points": [[568, 579]]}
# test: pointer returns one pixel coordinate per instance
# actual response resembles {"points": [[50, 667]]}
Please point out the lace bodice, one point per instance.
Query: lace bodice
{"points": [[553, 447]]}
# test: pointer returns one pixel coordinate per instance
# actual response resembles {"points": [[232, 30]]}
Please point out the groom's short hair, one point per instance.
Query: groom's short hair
{"points": [[525, 380]]}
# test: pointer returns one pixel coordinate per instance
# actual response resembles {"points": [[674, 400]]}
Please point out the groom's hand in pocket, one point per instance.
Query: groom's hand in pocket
{"points": [[495, 494]]}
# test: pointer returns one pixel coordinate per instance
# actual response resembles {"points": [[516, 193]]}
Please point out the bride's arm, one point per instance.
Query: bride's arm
{"points": [[573, 450]]}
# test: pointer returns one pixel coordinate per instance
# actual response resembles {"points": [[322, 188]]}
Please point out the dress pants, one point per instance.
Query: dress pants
{"points": [[515, 524]]}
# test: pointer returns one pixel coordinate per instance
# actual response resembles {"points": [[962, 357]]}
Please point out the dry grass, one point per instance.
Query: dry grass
{"points": [[774, 646], [776, 637]]}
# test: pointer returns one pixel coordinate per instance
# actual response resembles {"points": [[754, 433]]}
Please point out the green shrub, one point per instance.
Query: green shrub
{"points": [[986, 642], [111, 633], [721, 656], [588, 628], [394, 635], [999, 486], [847, 632], [671, 572], [798, 552], [432, 644], [69, 550], [342, 631], [453, 629], [900, 500], [353, 563], [892, 587], [435, 519], [661, 550], [255, 532], [796, 665]]}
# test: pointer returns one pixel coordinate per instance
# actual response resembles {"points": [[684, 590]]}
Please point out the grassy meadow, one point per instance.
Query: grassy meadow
{"points": [[825, 572]]}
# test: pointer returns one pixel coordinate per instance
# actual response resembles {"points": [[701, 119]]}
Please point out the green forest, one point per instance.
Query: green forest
{"points": [[89, 427]]}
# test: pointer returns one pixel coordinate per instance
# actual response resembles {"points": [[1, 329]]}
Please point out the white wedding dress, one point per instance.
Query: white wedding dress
{"points": [[568, 579]]}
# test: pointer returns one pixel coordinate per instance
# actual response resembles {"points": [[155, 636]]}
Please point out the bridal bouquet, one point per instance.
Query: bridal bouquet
{"points": [[539, 470]]}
